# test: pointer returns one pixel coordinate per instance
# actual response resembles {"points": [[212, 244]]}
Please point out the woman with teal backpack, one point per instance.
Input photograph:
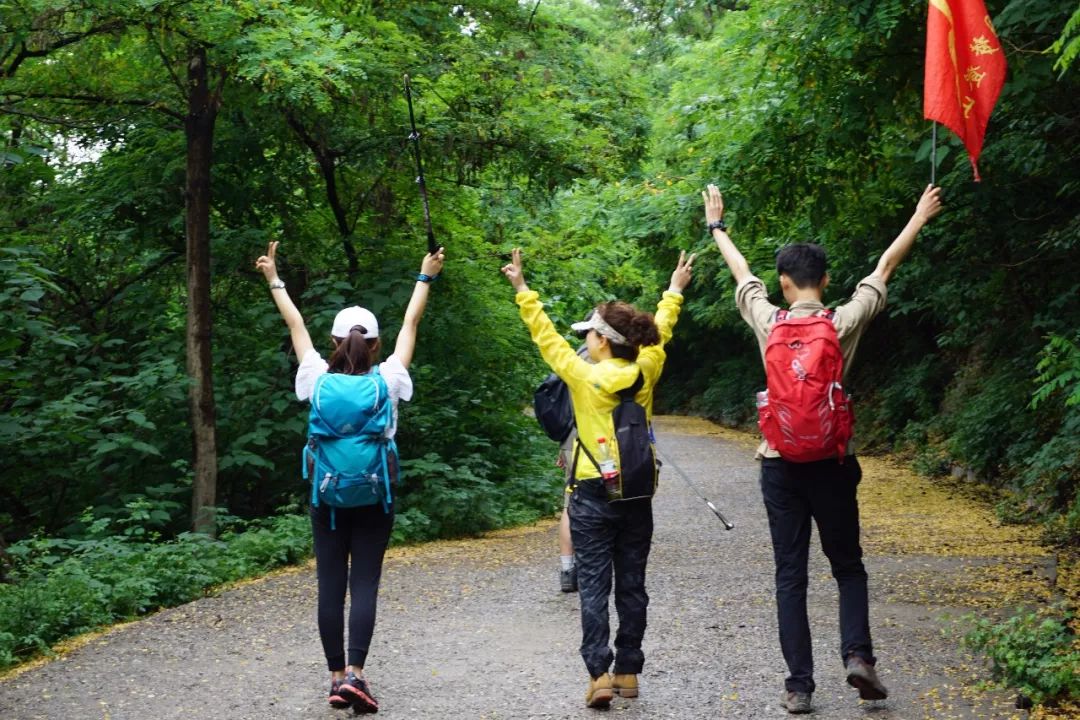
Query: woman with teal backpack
{"points": [[350, 540]]}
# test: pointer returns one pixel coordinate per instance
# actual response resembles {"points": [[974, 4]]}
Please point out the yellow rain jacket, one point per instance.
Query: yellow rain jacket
{"points": [[593, 386]]}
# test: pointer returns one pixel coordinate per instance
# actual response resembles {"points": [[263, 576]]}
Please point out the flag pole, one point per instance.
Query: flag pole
{"points": [[933, 155]]}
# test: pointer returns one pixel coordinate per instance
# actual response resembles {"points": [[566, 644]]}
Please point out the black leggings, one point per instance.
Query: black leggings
{"points": [[361, 533]]}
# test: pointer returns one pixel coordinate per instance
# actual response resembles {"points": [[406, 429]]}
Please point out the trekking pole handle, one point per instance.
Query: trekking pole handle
{"points": [[727, 525]]}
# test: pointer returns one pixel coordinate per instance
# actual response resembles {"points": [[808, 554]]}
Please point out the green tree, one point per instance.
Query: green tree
{"points": [[176, 59], [512, 106]]}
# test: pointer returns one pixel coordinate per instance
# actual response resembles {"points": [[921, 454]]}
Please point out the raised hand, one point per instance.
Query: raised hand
{"points": [[267, 264], [929, 204], [714, 204], [432, 264], [513, 272], [682, 275]]}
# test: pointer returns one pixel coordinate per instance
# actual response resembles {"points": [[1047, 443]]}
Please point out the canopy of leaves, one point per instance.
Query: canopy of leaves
{"points": [[581, 131]]}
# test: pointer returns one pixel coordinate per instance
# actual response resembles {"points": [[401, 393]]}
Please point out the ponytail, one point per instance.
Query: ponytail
{"points": [[354, 354]]}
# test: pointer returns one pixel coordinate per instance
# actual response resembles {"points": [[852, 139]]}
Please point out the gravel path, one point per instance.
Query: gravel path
{"points": [[478, 629]]}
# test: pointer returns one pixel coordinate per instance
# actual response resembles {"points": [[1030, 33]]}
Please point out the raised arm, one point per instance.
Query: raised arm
{"points": [[514, 273], [667, 310], [714, 213], [929, 205], [554, 349], [267, 264], [683, 273], [430, 268]]}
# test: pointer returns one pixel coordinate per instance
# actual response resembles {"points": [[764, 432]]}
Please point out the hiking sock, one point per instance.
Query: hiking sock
{"points": [[567, 562]]}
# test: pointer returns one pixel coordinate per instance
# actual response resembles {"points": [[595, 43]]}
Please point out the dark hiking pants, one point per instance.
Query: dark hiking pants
{"points": [[611, 536], [350, 556], [824, 491]]}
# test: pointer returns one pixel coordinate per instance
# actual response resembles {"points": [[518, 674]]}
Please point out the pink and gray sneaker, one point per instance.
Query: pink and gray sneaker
{"points": [[337, 700], [357, 692]]}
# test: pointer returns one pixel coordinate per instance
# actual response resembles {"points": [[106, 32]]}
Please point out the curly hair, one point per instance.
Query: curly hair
{"points": [[639, 328]]}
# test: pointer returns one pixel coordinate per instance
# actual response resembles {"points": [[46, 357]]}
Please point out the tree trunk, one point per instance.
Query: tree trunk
{"points": [[199, 128]]}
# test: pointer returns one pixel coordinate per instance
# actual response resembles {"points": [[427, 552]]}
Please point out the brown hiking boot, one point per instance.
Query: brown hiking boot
{"points": [[600, 693], [861, 675], [796, 703], [624, 685]]}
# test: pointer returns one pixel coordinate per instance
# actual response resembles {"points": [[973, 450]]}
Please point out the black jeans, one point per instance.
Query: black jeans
{"points": [[611, 536], [825, 491], [361, 534]]}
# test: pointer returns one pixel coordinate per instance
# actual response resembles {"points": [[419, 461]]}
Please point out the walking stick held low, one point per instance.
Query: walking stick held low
{"points": [[415, 137], [728, 525]]}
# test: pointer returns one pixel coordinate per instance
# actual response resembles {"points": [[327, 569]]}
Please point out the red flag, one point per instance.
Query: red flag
{"points": [[965, 69]]}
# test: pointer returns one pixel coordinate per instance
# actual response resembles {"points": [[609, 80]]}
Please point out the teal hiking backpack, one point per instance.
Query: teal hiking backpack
{"points": [[349, 457]]}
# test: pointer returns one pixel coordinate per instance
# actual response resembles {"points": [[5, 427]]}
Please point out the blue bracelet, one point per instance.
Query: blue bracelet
{"points": [[421, 277]]}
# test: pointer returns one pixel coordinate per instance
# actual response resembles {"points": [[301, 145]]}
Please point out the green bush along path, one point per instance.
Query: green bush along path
{"points": [[477, 628]]}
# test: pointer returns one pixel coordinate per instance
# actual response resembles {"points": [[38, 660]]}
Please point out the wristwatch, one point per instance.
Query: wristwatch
{"points": [[717, 225], [277, 284]]}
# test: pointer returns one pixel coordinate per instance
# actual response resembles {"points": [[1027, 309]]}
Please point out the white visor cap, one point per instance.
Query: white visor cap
{"points": [[595, 322]]}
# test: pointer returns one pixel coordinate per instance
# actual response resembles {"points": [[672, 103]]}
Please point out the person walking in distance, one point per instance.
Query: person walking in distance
{"points": [[350, 541], [568, 581], [812, 474]]}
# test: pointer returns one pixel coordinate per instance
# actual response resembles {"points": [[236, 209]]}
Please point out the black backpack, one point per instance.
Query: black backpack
{"points": [[554, 412], [638, 469]]}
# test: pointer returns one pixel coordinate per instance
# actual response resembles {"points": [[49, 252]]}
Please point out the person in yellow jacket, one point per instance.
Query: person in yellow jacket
{"points": [[610, 538]]}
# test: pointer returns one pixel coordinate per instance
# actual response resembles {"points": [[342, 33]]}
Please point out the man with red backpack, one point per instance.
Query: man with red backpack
{"points": [[808, 470]]}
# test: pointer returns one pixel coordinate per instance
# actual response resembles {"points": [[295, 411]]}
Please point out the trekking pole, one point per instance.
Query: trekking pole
{"points": [[415, 137], [716, 511]]}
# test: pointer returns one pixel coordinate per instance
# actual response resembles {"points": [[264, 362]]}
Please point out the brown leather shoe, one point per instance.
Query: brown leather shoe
{"points": [[600, 692], [624, 685], [862, 675]]}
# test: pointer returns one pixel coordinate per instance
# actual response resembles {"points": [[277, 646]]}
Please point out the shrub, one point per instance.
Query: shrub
{"points": [[1036, 652], [62, 587]]}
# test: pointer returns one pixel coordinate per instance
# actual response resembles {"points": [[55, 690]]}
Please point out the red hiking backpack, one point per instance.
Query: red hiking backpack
{"points": [[805, 415]]}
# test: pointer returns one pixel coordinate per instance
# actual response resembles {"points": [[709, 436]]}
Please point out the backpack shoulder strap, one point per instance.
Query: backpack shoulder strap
{"points": [[314, 399], [629, 393], [579, 447], [381, 384], [827, 313]]}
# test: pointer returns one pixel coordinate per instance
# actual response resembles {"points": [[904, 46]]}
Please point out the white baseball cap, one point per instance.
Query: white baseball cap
{"points": [[350, 317]]}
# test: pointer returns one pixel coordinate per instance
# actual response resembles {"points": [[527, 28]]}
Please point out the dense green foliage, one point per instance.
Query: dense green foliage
{"points": [[1035, 652], [120, 569], [808, 117], [581, 131], [94, 366]]}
